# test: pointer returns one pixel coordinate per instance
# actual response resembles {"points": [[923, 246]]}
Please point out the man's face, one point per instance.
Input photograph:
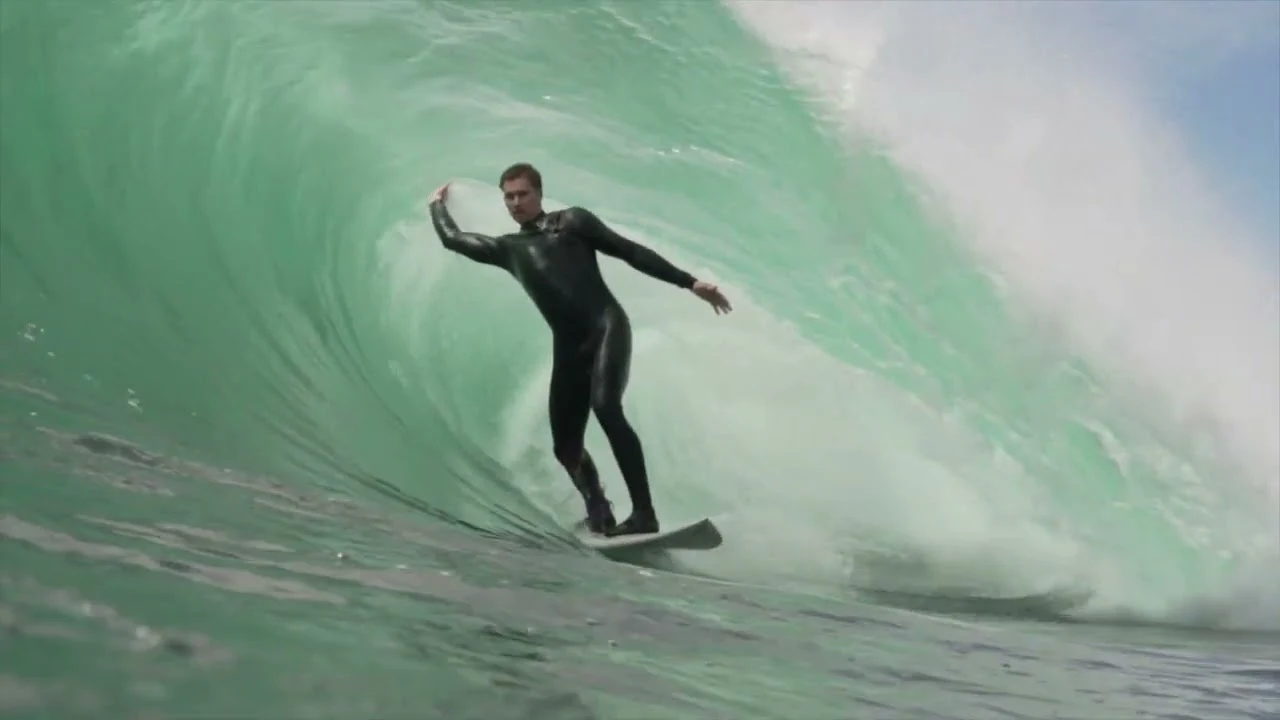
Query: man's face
{"points": [[523, 202]]}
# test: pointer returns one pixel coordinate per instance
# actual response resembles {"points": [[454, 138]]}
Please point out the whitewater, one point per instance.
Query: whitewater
{"points": [[994, 429]]}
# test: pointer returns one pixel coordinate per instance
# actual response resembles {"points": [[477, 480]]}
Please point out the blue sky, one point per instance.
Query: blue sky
{"points": [[1216, 67], [1232, 118], [1213, 68]]}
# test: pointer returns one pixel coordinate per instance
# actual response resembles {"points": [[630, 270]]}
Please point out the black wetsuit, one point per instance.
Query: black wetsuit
{"points": [[554, 258]]}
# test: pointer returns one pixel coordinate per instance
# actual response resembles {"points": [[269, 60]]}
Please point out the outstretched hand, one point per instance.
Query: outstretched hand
{"points": [[712, 295], [441, 193]]}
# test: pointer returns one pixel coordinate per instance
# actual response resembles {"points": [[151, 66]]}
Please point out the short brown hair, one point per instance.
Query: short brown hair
{"points": [[522, 170]]}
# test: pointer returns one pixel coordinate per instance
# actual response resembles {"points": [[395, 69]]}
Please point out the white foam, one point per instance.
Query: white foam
{"points": [[1040, 138], [1068, 183]]}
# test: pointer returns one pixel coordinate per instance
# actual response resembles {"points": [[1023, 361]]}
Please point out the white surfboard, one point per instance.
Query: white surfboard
{"points": [[697, 535]]}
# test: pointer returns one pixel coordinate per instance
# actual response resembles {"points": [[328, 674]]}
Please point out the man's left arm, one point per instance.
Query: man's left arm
{"points": [[604, 239]]}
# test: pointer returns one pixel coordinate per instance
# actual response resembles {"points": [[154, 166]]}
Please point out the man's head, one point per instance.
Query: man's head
{"points": [[522, 191]]}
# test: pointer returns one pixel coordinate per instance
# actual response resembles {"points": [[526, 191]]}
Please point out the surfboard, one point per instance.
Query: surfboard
{"points": [[699, 534]]}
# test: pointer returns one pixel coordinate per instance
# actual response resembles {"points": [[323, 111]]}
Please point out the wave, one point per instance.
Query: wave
{"points": [[215, 246]]}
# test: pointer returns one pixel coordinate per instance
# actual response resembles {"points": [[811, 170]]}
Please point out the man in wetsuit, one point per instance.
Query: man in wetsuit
{"points": [[553, 256]]}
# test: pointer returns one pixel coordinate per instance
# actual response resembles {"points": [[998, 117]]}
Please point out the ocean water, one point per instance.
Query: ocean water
{"points": [[992, 431]]}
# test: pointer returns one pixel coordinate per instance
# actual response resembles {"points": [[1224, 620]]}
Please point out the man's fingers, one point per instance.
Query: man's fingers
{"points": [[714, 298], [722, 301]]}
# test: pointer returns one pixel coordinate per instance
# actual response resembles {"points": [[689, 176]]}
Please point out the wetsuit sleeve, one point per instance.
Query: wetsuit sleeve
{"points": [[604, 239], [481, 248]]}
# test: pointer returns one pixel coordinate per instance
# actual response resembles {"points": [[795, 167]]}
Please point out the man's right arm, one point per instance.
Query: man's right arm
{"points": [[481, 248]]}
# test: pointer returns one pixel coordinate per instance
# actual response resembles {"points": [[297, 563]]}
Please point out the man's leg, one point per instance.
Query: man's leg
{"points": [[569, 405], [609, 376]]}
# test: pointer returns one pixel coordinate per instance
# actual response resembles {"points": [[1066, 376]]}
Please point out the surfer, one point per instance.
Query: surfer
{"points": [[553, 256]]}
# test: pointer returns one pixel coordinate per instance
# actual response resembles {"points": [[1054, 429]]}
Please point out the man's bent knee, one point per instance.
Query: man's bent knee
{"points": [[610, 415], [570, 459]]}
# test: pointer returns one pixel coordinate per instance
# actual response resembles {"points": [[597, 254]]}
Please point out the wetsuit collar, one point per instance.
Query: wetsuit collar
{"points": [[535, 223]]}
